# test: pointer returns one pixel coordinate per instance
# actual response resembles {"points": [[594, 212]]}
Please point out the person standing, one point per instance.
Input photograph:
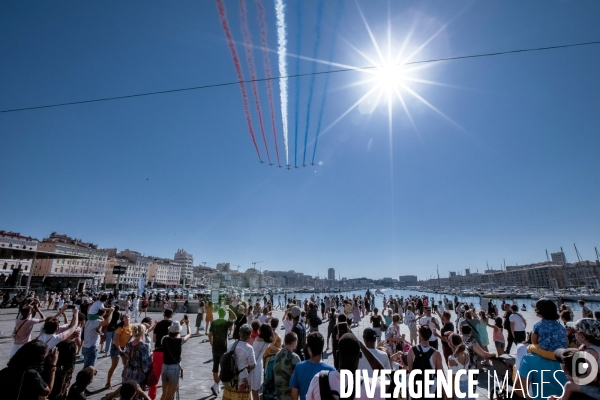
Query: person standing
{"points": [[171, 370], [283, 368], [509, 335], [24, 326], [120, 340], [433, 324], [517, 324], [299, 330], [135, 308], [263, 342], [239, 387], [91, 337], [306, 370], [370, 340], [209, 315], [217, 336], [161, 330], [585, 311], [423, 356], [200, 317]]}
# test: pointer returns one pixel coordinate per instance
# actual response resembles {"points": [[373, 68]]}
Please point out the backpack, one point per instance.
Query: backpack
{"points": [[228, 365], [268, 386], [421, 361]]}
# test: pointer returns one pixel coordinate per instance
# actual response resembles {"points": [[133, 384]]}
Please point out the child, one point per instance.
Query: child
{"points": [[548, 333], [498, 335]]}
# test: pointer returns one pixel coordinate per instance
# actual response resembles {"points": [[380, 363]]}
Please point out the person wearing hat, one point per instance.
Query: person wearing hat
{"points": [[299, 330], [587, 333], [171, 370], [370, 340], [240, 319], [568, 360]]}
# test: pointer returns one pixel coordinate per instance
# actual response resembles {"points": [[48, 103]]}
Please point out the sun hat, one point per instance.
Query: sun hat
{"points": [[295, 311], [175, 327], [589, 327]]}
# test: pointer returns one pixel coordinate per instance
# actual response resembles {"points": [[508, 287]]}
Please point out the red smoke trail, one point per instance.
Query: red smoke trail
{"points": [[248, 46], [263, 37], [238, 69]]}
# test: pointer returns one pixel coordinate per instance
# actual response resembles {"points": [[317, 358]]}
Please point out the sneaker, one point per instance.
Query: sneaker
{"points": [[215, 389]]}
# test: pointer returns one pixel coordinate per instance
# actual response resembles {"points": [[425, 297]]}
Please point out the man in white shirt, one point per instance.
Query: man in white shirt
{"points": [[349, 351], [91, 337], [432, 323], [370, 339], [517, 324]]}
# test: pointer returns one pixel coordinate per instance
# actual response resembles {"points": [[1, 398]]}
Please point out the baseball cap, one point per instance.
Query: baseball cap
{"points": [[370, 334], [295, 311]]}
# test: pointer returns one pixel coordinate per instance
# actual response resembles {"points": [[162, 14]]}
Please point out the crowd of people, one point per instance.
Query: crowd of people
{"points": [[252, 358]]}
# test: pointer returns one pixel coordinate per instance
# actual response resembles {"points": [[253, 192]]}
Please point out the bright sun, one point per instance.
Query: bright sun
{"points": [[389, 76]]}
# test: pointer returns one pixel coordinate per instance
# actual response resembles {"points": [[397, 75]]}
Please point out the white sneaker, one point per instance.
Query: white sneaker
{"points": [[215, 389]]}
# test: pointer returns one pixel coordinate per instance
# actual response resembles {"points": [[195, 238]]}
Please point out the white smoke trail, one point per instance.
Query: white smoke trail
{"points": [[281, 50]]}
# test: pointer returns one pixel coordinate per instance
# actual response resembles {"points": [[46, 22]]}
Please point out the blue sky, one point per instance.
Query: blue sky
{"points": [[519, 176]]}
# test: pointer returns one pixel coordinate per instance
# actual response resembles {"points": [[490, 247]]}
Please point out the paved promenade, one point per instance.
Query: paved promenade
{"points": [[197, 357]]}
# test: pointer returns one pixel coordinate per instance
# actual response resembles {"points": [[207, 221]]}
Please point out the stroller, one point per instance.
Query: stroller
{"points": [[502, 366]]}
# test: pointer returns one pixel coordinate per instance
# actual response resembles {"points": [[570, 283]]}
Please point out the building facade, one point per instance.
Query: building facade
{"points": [[164, 272], [187, 265], [331, 274], [92, 266], [14, 240]]}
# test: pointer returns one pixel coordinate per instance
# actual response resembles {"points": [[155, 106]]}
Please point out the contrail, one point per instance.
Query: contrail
{"points": [[283, 92], [265, 49], [335, 29], [297, 97], [311, 87], [248, 46], [238, 70]]}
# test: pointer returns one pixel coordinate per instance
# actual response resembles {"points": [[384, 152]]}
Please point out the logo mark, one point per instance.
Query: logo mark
{"points": [[589, 366]]}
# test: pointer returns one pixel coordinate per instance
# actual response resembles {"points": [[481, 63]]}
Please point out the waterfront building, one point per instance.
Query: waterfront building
{"points": [[164, 272], [137, 265], [92, 267], [408, 280], [187, 265], [331, 274], [14, 240]]}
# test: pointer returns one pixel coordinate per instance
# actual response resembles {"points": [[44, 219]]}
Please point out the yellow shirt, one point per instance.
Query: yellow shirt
{"points": [[123, 335]]}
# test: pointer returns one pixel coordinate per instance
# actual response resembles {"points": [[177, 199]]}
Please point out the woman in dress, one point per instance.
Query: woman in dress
{"points": [[482, 324], [263, 341], [356, 313], [139, 360]]}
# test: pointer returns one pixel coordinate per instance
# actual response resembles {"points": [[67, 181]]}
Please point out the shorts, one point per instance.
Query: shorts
{"points": [[216, 360], [499, 345], [413, 333], [170, 372], [114, 351]]}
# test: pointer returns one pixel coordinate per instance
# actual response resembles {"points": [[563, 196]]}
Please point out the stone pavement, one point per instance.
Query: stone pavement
{"points": [[197, 357]]}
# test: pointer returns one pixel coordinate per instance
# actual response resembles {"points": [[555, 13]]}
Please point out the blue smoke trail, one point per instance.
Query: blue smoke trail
{"points": [[297, 97], [312, 77], [335, 29]]}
